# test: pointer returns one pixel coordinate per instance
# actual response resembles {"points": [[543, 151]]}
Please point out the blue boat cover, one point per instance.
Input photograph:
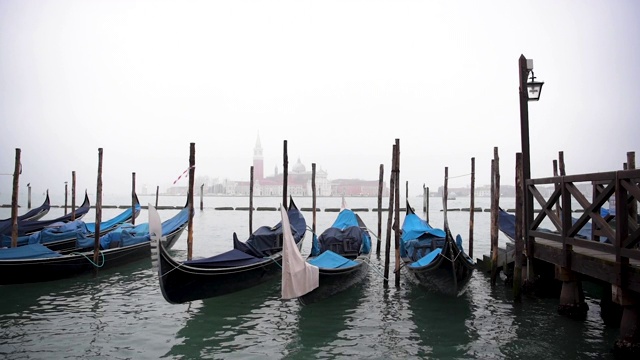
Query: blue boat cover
{"points": [[111, 223], [426, 260], [331, 260], [347, 236], [31, 251], [419, 238]]}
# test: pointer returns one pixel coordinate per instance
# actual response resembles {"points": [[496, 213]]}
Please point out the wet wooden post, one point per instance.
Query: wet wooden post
{"points": [[133, 198], [495, 203], [29, 196], [633, 207], [397, 213], [472, 195], [285, 169], [561, 163], [251, 200], [157, 194], [73, 195], [66, 194], [192, 172], [201, 197], [427, 211], [556, 185], [14, 200], [313, 199], [380, 188], [519, 241], [387, 250], [96, 243]]}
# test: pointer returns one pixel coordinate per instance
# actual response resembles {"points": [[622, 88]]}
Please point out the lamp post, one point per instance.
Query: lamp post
{"points": [[529, 91]]}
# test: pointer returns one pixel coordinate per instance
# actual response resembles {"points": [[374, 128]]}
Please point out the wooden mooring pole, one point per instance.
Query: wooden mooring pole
{"points": [[285, 172], [133, 198], [66, 194], [96, 243], [201, 197], [192, 172], [73, 195], [380, 188], [14, 200], [387, 250], [495, 203], [313, 200], [251, 200], [472, 205], [397, 214], [519, 241], [157, 194], [29, 196]]}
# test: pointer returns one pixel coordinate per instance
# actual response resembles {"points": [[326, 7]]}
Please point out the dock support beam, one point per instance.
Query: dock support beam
{"points": [[628, 344], [572, 303]]}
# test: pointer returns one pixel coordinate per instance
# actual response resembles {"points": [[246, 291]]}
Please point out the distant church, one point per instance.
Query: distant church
{"points": [[299, 181]]}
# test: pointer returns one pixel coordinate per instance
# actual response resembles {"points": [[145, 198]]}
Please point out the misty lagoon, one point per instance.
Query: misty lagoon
{"points": [[121, 313]]}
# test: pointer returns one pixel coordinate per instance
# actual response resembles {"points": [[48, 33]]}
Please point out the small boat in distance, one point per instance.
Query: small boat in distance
{"points": [[247, 264]]}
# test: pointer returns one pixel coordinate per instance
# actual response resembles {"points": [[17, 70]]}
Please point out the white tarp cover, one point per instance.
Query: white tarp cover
{"points": [[298, 276]]}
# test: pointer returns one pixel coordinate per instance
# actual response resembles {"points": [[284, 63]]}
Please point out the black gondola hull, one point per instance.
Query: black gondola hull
{"points": [[334, 281]]}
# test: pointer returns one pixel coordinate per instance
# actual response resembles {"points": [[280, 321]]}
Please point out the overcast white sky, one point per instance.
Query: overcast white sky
{"points": [[339, 80]]}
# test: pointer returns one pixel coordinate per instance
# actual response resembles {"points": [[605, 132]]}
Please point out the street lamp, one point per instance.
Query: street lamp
{"points": [[529, 91]]}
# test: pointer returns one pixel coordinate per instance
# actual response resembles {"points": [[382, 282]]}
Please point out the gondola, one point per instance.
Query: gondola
{"points": [[37, 263], [431, 258], [35, 213], [341, 254], [249, 263], [61, 236], [27, 227]]}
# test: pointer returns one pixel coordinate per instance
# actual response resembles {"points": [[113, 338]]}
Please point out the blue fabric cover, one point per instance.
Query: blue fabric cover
{"points": [[418, 234], [30, 251], [266, 240], [346, 236], [331, 260], [57, 231], [111, 223], [426, 260]]}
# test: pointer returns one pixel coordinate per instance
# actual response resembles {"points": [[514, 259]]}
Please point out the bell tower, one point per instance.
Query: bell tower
{"points": [[258, 165]]}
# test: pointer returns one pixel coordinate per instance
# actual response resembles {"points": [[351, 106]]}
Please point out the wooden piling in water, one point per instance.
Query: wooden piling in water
{"points": [[519, 241], [73, 195], [96, 242], [157, 194], [397, 214], [66, 195], [380, 188], [313, 200], [192, 172], [495, 203], [633, 207], [133, 198], [251, 200], [201, 197], [29, 196], [14, 200], [472, 205], [285, 169], [387, 250]]}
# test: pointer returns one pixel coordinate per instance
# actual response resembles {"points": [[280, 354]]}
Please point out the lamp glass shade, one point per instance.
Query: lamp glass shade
{"points": [[534, 89]]}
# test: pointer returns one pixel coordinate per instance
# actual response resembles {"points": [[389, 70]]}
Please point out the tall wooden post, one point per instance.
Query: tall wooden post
{"points": [[380, 188], [133, 198], [495, 203], [397, 213], [285, 174], [519, 243], [157, 194], [633, 207], [523, 73], [14, 200], [472, 195], [29, 196], [201, 197], [192, 172], [73, 195], [96, 243], [313, 198], [561, 163], [427, 211], [556, 185], [251, 200], [66, 194], [387, 250]]}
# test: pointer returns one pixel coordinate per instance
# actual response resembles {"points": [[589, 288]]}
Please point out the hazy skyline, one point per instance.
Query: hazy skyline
{"points": [[339, 80]]}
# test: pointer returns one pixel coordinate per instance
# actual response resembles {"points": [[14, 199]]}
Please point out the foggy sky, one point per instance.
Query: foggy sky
{"points": [[339, 80]]}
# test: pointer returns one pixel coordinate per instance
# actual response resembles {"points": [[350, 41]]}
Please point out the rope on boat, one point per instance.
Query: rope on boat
{"points": [[90, 260], [372, 266]]}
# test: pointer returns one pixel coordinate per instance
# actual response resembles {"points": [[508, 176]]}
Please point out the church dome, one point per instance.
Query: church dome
{"points": [[299, 167]]}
